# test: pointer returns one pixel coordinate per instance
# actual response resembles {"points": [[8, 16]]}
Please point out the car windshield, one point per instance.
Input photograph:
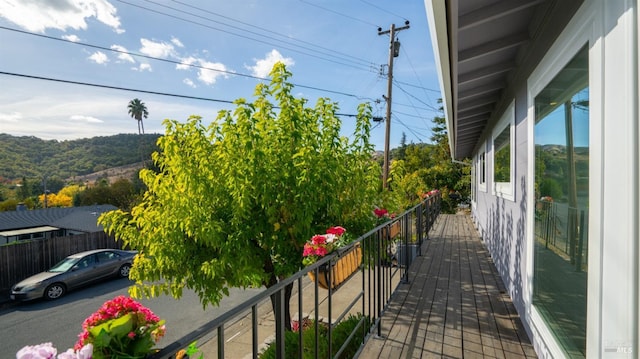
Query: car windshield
{"points": [[64, 265]]}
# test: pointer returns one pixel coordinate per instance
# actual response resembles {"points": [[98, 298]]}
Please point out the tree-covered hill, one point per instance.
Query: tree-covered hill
{"points": [[32, 157]]}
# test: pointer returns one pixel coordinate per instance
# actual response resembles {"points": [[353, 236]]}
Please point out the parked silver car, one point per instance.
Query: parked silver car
{"points": [[74, 271]]}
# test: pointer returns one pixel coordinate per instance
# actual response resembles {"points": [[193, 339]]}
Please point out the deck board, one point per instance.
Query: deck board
{"points": [[454, 305]]}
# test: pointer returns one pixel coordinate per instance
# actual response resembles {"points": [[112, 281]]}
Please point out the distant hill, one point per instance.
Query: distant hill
{"points": [[32, 157]]}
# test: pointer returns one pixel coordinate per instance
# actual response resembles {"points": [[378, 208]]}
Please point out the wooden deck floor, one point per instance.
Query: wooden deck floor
{"points": [[454, 305]]}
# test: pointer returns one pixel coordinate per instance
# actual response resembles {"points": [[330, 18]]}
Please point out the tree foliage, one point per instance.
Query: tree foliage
{"points": [[30, 158], [233, 203], [418, 168]]}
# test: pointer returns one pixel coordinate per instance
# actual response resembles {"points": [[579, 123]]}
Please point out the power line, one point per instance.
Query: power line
{"points": [[416, 98], [417, 135], [418, 86], [172, 61], [339, 13], [414, 107], [383, 10], [133, 90], [415, 72], [269, 31], [242, 36], [409, 115]]}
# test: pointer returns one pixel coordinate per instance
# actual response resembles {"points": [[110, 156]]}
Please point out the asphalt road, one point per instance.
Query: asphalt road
{"points": [[60, 321]]}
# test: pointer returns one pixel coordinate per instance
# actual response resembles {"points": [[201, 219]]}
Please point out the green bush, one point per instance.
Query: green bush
{"points": [[340, 335]]}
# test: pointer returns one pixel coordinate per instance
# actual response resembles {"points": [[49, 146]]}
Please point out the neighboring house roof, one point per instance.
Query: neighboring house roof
{"points": [[82, 219], [483, 49]]}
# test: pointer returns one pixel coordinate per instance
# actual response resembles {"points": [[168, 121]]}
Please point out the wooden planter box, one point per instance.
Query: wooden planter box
{"points": [[394, 230], [346, 266]]}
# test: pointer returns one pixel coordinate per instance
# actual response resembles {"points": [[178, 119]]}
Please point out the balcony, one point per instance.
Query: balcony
{"points": [[430, 291]]}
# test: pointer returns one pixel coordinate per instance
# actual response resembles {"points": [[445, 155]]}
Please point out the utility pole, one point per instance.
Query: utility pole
{"points": [[394, 51]]}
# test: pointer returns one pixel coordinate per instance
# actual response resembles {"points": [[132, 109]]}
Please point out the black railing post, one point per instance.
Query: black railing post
{"points": [[254, 331], [379, 283], [317, 315], [300, 319], [221, 341], [580, 243], [279, 314]]}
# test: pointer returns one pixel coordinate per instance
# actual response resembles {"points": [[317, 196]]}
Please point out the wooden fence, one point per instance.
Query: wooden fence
{"points": [[23, 259]]}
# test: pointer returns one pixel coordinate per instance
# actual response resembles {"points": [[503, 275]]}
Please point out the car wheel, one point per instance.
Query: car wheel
{"points": [[54, 291], [124, 271]]}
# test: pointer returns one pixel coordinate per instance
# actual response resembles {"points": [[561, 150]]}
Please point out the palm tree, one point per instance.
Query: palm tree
{"points": [[138, 110]]}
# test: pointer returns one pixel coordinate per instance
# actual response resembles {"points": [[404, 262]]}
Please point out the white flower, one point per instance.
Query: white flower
{"points": [[330, 237], [86, 352], [40, 351]]}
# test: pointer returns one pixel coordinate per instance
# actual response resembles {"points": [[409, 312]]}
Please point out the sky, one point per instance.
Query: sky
{"points": [[68, 68]]}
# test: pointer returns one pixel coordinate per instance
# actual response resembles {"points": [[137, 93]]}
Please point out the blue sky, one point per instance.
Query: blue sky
{"points": [[332, 47]]}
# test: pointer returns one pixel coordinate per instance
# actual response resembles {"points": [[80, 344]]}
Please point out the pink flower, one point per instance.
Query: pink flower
{"points": [[308, 250], [116, 308], [321, 251]]}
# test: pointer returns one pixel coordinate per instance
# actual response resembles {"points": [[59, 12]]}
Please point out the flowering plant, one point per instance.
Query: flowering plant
{"points": [[382, 215], [121, 328], [48, 351], [322, 244]]}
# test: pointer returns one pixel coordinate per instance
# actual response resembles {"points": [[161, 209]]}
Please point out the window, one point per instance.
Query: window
{"points": [[561, 189], [106, 256], [503, 154], [482, 171]]}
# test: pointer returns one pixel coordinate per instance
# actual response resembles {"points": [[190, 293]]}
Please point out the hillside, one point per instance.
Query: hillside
{"points": [[33, 157]]}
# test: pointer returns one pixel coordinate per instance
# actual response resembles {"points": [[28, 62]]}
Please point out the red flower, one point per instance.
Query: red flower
{"points": [[380, 212], [337, 230], [318, 239]]}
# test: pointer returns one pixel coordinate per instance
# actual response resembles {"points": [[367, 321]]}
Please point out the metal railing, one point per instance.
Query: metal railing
{"points": [[366, 294], [564, 229]]}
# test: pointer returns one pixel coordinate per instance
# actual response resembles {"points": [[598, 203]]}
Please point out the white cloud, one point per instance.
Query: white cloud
{"points": [[144, 67], [38, 15], [122, 56], [10, 117], [263, 67], [189, 83], [185, 64], [87, 119], [208, 76], [99, 57], [73, 38], [176, 41], [157, 49], [208, 72]]}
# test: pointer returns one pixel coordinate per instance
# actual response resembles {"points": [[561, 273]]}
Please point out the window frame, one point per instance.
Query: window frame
{"points": [[481, 166], [508, 120]]}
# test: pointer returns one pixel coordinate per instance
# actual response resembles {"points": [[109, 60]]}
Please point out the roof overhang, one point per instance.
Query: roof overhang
{"points": [[18, 232], [481, 49]]}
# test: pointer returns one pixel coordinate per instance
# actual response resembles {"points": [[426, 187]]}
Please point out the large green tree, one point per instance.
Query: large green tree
{"points": [[138, 110], [232, 203]]}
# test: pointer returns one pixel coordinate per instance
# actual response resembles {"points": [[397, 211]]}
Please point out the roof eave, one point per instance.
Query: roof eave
{"points": [[438, 28]]}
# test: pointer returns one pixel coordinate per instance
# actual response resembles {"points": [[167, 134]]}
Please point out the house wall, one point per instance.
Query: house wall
{"points": [[502, 221], [506, 225]]}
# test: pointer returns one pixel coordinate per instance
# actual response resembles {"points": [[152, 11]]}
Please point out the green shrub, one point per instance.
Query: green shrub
{"points": [[340, 335]]}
